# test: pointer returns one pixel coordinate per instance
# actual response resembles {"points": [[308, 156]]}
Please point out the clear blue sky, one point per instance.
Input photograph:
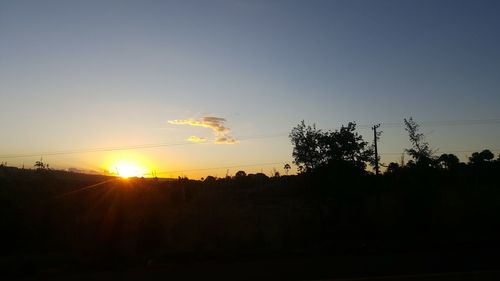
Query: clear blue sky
{"points": [[86, 74]]}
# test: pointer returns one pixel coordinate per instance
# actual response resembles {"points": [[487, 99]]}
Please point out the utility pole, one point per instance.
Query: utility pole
{"points": [[375, 138]]}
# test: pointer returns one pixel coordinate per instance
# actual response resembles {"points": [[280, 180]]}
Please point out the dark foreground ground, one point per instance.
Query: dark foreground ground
{"points": [[455, 276], [423, 266], [412, 225]]}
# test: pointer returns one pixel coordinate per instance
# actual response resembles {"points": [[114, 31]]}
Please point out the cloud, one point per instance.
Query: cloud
{"points": [[225, 140], [216, 124], [197, 139]]}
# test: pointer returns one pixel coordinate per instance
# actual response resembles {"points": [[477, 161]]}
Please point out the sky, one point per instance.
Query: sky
{"points": [[220, 84]]}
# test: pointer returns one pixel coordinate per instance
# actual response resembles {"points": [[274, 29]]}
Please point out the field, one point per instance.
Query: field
{"points": [[298, 227]]}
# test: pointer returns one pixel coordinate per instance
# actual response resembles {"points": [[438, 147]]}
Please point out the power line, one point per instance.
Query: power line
{"points": [[443, 152], [440, 123], [446, 151], [219, 168], [281, 134], [101, 149], [118, 148]]}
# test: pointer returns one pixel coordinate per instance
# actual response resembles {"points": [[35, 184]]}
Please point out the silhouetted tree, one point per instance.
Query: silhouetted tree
{"points": [[348, 146], [448, 161], [314, 148], [481, 157], [307, 146], [287, 168], [300, 168], [210, 179], [240, 174], [420, 150], [39, 165], [392, 167], [275, 173], [261, 177], [410, 164]]}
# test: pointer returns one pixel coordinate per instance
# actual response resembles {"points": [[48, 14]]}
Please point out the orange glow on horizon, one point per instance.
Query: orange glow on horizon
{"points": [[128, 168]]}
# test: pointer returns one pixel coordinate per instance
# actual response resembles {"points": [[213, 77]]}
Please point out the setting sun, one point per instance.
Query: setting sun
{"points": [[128, 169]]}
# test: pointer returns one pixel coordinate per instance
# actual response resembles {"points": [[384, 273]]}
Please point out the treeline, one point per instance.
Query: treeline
{"points": [[314, 149]]}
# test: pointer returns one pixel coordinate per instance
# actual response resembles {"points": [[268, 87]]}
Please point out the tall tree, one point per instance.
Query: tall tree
{"points": [[420, 149]]}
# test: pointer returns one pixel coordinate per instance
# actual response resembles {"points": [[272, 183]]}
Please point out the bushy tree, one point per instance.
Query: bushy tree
{"points": [[240, 174], [481, 157], [308, 151], [210, 179], [39, 165], [346, 145], [313, 148], [392, 167], [448, 161]]}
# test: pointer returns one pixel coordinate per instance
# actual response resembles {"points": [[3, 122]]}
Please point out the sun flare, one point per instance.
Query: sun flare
{"points": [[129, 170]]}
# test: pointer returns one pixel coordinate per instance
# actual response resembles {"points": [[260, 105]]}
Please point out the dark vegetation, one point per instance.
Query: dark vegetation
{"points": [[432, 205]]}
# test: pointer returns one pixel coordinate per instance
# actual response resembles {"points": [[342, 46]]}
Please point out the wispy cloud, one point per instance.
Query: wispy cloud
{"points": [[197, 139], [225, 140], [216, 124]]}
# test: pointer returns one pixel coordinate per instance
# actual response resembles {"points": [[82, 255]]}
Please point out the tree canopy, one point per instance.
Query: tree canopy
{"points": [[481, 157], [313, 148]]}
